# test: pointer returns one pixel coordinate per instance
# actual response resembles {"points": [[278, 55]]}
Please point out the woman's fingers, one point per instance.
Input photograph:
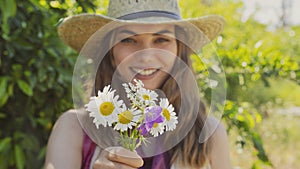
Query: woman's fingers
{"points": [[122, 155], [107, 164], [118, 158]]}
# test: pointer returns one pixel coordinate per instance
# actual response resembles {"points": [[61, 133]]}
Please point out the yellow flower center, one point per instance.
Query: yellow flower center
{"points": [[166, 113], [155, 125], [146, 97], [125, 117], [106, 108]]}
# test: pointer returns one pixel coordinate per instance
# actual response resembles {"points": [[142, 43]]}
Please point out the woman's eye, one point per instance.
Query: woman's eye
{"points": [[161, 40], [128, 40]]}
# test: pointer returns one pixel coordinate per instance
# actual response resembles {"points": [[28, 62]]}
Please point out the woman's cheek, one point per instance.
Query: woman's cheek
{"points": [[121, 54]]}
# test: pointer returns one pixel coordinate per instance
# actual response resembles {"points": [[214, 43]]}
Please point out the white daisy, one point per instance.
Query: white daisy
{"points": [[157, 129], [147, 96], [133, 87], [131, 90], [138, 83], [169, 114], [127, 118], [128, 90], [104, 107]]}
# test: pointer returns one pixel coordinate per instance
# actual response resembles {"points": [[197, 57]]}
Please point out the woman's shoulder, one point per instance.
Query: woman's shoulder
{"points": [[65, 142], [219, 157], [219, 130], [69, 119], [68, 124]]}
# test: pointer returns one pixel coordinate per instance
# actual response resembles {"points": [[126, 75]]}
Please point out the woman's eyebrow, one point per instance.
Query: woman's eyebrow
{"points": [[125, 31], [163, 32], [128, 32]]}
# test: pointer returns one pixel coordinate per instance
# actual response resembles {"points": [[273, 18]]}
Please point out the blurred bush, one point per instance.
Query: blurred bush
{"points": [[253, 59], [35, 77]]}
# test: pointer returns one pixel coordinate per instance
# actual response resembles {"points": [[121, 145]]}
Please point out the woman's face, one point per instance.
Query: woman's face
{"points": [[145, 52]]}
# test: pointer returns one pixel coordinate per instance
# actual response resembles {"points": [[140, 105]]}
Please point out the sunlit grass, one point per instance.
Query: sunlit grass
{"points": [[280, 105], [280, 134]]}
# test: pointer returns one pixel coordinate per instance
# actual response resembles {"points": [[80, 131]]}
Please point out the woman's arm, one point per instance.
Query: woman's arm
{"points": [[220, 149], [65, 143]]}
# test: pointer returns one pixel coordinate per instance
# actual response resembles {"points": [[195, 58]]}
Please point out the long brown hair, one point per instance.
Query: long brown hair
{"points": [[188, 152]]}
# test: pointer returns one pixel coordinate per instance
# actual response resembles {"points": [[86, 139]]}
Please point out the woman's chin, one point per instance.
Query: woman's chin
{"points": [[150, 86]]}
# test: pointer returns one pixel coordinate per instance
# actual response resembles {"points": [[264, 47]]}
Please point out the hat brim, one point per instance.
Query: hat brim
{"points": [[76, 30]]}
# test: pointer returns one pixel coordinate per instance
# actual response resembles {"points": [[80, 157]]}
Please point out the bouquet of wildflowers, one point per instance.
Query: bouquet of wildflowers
{"points": [[145, 116]]}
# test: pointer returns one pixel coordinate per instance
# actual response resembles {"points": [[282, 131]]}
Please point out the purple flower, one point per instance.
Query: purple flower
{"points": [[152, 115]]}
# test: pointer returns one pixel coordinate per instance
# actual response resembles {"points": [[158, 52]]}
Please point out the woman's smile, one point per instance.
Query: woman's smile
{"points": [[144, 71], [145, 74]]}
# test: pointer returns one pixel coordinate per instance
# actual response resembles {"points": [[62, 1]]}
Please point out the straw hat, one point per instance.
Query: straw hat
{"points": [[76, 30]]}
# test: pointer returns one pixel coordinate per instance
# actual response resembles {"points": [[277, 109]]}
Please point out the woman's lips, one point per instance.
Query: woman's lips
{"points": [[145, 74]]}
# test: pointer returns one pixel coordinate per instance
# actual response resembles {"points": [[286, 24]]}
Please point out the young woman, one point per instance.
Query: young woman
{"points": [[157, 52]]}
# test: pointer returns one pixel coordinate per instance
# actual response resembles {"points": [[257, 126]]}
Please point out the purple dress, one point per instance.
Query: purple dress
{"points": [[88, 148], [160, 161]]}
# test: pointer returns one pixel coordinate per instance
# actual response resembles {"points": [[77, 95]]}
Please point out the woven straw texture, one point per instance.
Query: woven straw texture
{"points": [[76, 30]]}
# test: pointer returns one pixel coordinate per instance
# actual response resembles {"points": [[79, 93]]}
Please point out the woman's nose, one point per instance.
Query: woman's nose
{"points": [[146, 44], [145, 51], [145, 55]]}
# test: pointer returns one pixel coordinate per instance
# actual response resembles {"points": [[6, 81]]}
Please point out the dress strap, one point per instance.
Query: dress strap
{"points": [[88, 148], [160, 161]]}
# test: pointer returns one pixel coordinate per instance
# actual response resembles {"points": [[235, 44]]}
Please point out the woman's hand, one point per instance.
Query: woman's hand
{"points": [[118, 158]]}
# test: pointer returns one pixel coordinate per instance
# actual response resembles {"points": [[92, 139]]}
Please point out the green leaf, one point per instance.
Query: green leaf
{"points": [[4, 160], [19, 156], [5, 152], [4, 143], [257, 141], [42, 153], [3, 85], [43, 121], [8, 9], [10, 89], [25, 88], [3, 91]]}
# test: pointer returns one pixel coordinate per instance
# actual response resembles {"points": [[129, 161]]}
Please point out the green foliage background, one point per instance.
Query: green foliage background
{"points": [[36, 72]]}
